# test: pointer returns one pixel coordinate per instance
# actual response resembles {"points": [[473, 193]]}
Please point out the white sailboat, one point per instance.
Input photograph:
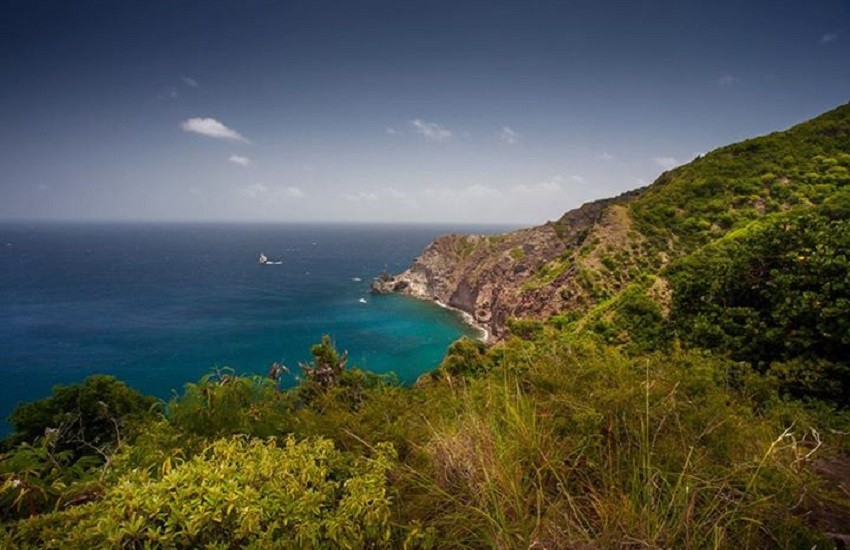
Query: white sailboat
{"points": [[264, 260]]}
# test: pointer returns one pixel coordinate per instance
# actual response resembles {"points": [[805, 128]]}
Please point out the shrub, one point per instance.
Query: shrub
{"points": [[224, 404], [237, 493], [86, 419], [328, 381], [466, 356]]}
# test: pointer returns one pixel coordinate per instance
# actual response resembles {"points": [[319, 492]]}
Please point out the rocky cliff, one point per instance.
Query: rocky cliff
{"points": [[530, 273]]}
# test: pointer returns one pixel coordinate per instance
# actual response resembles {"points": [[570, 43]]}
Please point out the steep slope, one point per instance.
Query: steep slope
{"points": [[593, 252]]}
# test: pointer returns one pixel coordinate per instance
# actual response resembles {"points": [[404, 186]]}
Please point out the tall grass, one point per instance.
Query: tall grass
{"points": [[570, 446]]}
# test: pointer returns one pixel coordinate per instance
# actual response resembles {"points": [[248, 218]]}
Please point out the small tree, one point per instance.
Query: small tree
{"points": [[85, 419], [328, 382], [328, 365]]}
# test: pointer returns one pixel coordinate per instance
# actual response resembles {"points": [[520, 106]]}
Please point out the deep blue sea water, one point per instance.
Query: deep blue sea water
{"points": [[159, 305]]}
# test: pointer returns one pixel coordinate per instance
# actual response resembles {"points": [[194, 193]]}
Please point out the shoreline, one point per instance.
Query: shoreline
{"points": [[483, 333], [390, 284]]}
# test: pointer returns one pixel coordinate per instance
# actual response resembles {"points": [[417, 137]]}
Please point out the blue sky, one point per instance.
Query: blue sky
{"points": [[453, 111]]}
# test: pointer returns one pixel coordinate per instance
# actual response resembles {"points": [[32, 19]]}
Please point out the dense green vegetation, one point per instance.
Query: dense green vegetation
{"points": [[731, 186], [235, 492], [685, 408], [558, 440], [777, 296]]}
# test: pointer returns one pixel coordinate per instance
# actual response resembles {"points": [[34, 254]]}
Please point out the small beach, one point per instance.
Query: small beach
{"points": [[483, 333]]}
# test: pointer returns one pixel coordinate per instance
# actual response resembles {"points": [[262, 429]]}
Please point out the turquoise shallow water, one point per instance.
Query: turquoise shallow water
{"points": [[161, 305]]}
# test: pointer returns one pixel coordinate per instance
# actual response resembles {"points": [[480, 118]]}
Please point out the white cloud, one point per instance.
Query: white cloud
{"points": [[666, 162], [508, 136], [210, 127], [391, 131], [829, 37], [578, 179], [190, 82], [605, 156], [195, 190], [549, 186], [240, 160], [455, 195], [394, 193], [482, 191], [382, 195], [726, 80], [451, 194], [430, 130], [369, 196], [254, 190], [292, 192]]}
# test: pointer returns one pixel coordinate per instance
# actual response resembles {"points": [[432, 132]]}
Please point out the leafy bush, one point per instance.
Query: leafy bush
{"points": [[327, 379], [86, 419], [555, 440], [464, 357], [636, 321], [524, 328], [36, 479], [225, 404], [237, 493]]}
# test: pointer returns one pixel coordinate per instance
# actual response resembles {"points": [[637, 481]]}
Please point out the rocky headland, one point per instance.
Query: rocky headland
{"points": [[529, 273]]}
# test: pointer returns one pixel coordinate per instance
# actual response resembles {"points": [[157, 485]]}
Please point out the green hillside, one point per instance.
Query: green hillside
{"points": [[702, 201], [695, 395], [731, 186], [745, 252]]}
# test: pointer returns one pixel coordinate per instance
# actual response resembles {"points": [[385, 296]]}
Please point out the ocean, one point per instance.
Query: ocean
{"points": [[160, 305]]}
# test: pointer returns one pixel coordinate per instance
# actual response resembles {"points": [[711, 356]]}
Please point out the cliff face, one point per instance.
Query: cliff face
{"points": [[530, 273]]}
